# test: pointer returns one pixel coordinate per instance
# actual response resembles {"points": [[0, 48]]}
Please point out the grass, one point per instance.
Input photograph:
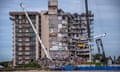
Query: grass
{"points": [[97, 64], [19, 69], [29, 66]]}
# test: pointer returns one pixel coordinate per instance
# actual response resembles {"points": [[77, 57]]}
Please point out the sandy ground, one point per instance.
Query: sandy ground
{"points": [[58, 71]]}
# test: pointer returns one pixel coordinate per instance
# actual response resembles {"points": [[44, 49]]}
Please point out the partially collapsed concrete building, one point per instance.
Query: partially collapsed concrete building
{"points": [[62, 33]]}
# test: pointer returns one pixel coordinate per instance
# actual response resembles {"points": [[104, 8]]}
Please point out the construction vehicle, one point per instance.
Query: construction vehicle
{"points": [[100, 47], [81, 45]]}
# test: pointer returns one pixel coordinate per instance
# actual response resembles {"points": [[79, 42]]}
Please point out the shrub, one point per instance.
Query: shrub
{"points": [[99, 64], [89, 63], [5, 64], [32, 64]]}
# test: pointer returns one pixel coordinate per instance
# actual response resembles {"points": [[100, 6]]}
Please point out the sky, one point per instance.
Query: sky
{"points": [[106, 19]]}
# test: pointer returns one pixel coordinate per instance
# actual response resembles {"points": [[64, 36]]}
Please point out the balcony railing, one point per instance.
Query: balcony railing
{"points": [[20, 53], [27, 53], [83, 50], [83, 53], [27, 57]]}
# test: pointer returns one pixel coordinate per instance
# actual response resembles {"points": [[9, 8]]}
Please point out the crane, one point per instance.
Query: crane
{"points": [[36, 33], [100, 46]]}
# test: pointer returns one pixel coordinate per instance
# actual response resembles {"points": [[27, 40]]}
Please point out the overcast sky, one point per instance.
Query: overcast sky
{"points": [[106, 19]]}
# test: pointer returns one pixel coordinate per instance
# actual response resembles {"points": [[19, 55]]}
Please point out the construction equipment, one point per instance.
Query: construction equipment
{"points": [[100, 47], [87, 18], [37, 35], [81, 45]]}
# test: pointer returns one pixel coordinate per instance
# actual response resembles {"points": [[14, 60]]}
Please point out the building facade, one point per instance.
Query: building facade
{"points": [[63, 34], [25, 44]]}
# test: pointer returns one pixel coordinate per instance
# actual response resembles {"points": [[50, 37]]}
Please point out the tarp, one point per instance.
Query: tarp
{"points": [[70, 68]]}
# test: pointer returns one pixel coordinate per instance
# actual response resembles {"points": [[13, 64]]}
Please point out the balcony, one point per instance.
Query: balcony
{"points": [[19, 44], [20, 57], [72, 49], [20, 53], [27, 26], [27, 53], [20, 49], [76, 18], [83, 50], [27, 30], [20, 62], [27, 57], [19, 39], [71, 45], [20, 26], [27, 48], [76, 23], [26, 62], [75, 27], [27, 44], [26, 35], [83, 53], [19, 35], [19, 31], [74, 31], [27, 39]]}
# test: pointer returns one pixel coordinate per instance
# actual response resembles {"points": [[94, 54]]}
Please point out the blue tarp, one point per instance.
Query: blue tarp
{"points": [[70, 68], [100, 68]]}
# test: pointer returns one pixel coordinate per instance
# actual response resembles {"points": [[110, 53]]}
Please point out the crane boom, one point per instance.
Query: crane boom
{"points": [[100, 36], [100, 46], [37, 35]]}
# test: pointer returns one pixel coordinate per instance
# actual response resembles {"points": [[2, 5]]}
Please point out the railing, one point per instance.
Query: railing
{"points": [[83, 50], [83, 53]]}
